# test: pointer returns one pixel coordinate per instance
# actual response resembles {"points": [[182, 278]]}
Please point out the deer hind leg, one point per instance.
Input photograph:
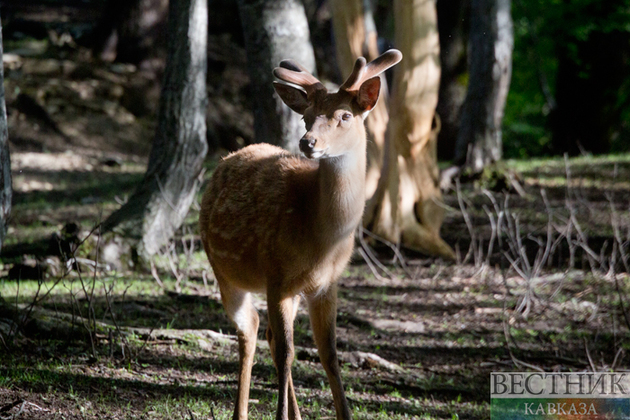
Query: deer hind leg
{"points": [[322, 309], [241, 311], [280, 336]]}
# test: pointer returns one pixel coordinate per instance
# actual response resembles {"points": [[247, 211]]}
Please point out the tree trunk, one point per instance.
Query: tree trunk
{"points": [[6, 189], [355, 36], [491, 43], [159, 205], [275, 30], [406, 206], [130, 30], [453, 22]]}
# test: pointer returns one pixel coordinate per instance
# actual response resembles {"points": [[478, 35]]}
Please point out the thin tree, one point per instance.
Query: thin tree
{"points": [[479, 141], [130, 30], [275, 30], [160, 204], [453, 24], [6, 189]]}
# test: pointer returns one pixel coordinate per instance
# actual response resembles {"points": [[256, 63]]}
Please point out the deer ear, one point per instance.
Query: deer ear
{"points": [[293, 97], [368, 93]]}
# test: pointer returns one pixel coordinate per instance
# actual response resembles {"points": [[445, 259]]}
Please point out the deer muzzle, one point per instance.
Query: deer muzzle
{"points": [[307, 146]]}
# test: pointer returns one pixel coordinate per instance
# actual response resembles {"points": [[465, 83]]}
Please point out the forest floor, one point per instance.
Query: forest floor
{"points": [[541, 281]]}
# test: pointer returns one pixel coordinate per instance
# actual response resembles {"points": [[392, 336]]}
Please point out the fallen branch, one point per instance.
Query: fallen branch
{"points": [[52, 324]]}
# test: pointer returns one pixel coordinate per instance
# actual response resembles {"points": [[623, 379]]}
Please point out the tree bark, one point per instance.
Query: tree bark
{"points": [[453, 22], [6, 189], [130, 30], [160, 204], [275, 30], [356, 36], [406, 206], [479, 140]]}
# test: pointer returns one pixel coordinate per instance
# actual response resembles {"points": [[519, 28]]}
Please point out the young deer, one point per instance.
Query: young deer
{"points": [[280, 224]]}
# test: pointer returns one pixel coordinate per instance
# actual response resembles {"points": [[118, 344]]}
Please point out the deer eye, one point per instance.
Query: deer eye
{"points": [[346, 116]]}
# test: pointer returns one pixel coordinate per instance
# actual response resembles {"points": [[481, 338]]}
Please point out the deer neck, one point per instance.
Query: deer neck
{"points": [[341, 193]]}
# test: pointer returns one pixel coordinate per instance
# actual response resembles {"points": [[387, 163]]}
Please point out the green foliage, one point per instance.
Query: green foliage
{"points": [[543, 29]]}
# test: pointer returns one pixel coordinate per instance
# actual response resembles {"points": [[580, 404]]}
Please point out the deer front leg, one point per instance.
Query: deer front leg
{"points": [[294, 411], [280, 336], [322, 309], [242, 312]]}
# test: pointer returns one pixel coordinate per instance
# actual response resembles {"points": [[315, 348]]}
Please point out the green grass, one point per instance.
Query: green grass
{"points": [[26, 290], [78, 188], [528, 165]]}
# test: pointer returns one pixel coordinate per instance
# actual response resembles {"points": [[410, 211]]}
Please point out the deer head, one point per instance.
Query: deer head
{"points": [[333, 119]]}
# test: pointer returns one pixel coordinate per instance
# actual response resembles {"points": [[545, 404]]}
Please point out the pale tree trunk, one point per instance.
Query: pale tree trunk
{"points": [[356, 36], [275, 30], [479, 140], [406, 207], [160, 204], [6, 190]]}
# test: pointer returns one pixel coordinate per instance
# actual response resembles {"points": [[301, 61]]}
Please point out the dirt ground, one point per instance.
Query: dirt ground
{"points": [[418, 337]]}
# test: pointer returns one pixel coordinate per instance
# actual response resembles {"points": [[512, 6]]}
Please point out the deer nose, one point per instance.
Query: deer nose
{"points": [[307, 144]]}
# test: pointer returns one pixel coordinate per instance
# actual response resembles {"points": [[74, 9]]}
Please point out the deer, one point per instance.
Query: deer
{"points": [[281, 224]]}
